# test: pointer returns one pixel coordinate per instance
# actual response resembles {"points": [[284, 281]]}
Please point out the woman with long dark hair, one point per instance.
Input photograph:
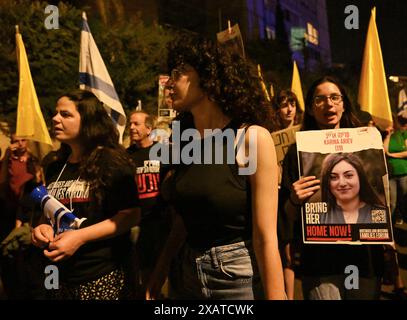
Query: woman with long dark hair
{"points": [[347, 191], [92, 176], [327, 106]]}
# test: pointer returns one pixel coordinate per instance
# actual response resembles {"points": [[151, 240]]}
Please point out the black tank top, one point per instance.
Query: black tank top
{"points": [[213, 200]]}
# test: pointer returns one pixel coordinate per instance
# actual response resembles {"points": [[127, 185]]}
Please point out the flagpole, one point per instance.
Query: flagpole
{"points": [[18, 56], [263, 85]]}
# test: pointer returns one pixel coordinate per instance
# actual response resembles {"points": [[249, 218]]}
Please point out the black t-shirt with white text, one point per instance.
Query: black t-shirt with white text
{"points": [[94, 259]]}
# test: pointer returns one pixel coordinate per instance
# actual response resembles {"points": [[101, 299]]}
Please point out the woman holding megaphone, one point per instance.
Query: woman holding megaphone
{"points": [[91, 176]]}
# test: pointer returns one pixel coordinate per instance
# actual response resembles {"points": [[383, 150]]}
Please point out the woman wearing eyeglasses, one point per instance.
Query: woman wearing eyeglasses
{"points": [[327, 106], [229, 219]]}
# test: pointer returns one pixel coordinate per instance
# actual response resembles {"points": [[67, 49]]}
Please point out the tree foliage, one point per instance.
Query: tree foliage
{"points": [[133, 54], [52, 54], [136, 54]]}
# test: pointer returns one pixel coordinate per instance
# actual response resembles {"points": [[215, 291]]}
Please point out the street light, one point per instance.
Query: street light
{"points": [[401, 85], [397, 79]]}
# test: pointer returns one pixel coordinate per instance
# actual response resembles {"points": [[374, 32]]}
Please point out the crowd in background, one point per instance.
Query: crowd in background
{"points": [[213, 233]]}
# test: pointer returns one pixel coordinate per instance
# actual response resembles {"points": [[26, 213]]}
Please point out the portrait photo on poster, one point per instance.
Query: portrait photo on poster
{"points": [[352, 204]]}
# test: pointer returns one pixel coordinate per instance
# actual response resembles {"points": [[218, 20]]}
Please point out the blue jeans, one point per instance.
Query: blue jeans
{"points": [[220, 273]]}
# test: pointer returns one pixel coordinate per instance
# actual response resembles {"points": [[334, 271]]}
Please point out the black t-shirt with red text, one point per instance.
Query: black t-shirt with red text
{"points": [[147, 180], [94, 259]]}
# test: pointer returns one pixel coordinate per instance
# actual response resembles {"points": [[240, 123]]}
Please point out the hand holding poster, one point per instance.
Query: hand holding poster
{"points": [[352, 204]]}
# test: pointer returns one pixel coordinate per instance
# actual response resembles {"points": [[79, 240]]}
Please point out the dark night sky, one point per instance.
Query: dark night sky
{"points": [[347, 45]]}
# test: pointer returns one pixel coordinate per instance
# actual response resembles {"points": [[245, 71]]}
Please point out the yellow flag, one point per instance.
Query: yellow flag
{"points": [[373, 95], [30, 122], [296, 85], [263, 85]]}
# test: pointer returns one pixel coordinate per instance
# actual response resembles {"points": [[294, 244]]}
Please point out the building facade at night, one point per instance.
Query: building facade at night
{"points": [[305, 26], [301, 23], [305, 22]]}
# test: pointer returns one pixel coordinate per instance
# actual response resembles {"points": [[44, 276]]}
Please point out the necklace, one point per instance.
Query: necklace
{"points": [[71, 187], [351, 216]]}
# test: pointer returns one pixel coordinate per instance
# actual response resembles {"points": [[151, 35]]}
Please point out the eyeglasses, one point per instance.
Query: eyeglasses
{"points": [[334, 98], [177, 73]]}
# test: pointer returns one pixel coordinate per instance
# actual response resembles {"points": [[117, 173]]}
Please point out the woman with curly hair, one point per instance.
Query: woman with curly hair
{"points": [[286, 109], [92, 177], [225, 221]]}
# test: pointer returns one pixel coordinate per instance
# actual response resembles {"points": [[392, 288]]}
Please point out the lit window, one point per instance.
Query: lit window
{"points": [[270, 33], [312, 34]]}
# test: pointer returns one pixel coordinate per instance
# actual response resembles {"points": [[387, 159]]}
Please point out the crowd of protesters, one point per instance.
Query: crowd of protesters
{"points": [[212, 232]]}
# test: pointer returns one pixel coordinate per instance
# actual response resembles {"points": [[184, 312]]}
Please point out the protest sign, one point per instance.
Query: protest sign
{"points": [[165, 110], [352, 205], [231, 38], [282, 140]]}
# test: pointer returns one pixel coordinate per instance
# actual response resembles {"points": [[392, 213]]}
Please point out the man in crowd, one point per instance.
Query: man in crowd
{"points": [[154, 224], [19, 172]]}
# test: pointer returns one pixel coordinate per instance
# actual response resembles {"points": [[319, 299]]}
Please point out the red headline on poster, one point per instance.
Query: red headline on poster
{"points": [[338, 139], [329, 232]]}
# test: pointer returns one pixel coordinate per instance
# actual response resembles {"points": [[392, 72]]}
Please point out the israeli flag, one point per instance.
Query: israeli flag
{"points": [[93, 76]]}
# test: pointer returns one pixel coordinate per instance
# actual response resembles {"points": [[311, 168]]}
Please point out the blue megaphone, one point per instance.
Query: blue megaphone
{"points": [[60, 217]]}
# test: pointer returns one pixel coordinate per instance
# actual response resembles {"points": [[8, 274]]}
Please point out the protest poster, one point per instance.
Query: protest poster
{"points": [[352, 204], [165, 110], [282, 140], [231, 38]]}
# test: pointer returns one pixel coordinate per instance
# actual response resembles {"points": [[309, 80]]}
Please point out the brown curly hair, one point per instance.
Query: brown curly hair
{"points": [[227, 79]]}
